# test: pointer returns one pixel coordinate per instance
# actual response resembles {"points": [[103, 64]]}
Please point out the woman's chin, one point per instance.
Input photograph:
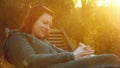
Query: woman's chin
{"points": [[42, 37]]}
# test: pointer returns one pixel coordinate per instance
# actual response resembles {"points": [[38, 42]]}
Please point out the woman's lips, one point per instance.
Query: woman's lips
{"points": [[45, 32]]}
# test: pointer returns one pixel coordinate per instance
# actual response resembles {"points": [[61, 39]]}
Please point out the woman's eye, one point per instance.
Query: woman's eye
{"points": [[45, 22]]}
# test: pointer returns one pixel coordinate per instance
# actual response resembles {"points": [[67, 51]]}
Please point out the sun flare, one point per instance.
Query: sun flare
{"points": [[117, 2], [108, 3], [78, 3]]}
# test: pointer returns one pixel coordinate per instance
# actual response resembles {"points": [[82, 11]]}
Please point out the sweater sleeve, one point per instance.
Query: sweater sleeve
{"points": [[59, 50], [22, 53]]}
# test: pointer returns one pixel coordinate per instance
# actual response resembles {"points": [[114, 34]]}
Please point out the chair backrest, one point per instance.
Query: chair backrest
{"points": [[59, 38]]}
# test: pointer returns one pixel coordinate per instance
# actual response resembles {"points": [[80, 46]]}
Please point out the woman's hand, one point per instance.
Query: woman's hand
{"points": [[78, 53]]}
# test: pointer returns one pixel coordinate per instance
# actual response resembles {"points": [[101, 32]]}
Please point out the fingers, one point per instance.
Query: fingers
{"points": [[86, 53], [89, 52], [87, 48], [83, 54]]}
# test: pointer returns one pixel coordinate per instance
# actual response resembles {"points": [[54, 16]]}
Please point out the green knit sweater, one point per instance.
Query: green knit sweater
{"points": [[26, 51]]}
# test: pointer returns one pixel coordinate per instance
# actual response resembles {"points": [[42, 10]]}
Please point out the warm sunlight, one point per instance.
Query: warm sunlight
{"points": [[78, 3], [117, 2], [99, 3], [104, 3], [108, 3], [30, 6]]}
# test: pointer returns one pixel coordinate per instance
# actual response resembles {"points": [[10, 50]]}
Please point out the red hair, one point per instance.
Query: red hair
{"points": [[32, 17]]}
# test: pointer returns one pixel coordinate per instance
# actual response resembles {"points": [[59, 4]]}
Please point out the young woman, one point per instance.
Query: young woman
{"points": [[29, 48]]}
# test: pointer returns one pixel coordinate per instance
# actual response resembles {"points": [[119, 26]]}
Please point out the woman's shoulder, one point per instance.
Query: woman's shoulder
{"points": [[21, 35], [17, 34]]}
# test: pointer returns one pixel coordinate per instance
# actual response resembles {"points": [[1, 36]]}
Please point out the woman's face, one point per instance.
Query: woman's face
{"points": [[41, 27]]}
